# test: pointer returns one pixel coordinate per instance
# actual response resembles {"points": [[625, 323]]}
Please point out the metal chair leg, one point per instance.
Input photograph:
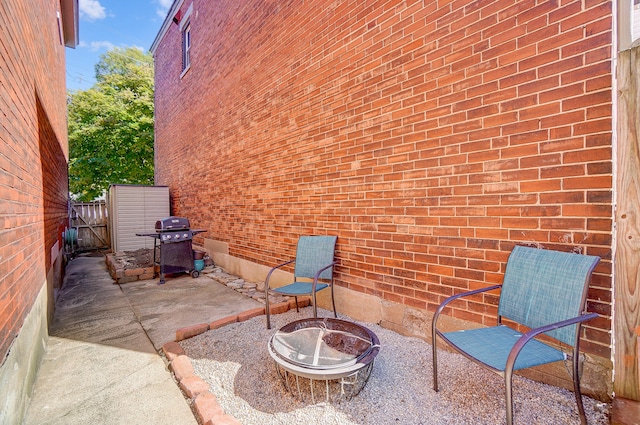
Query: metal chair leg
{"points": [[315, 307], [266, 308], [435, 359], [576, 388], [333, 302], [508, 387]]}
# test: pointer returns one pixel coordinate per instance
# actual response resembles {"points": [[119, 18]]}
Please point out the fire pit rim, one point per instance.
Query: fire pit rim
{"points": [[329, 373]]}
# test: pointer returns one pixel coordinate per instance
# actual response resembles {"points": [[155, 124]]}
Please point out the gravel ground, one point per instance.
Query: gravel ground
{"points": [[234, 361]]}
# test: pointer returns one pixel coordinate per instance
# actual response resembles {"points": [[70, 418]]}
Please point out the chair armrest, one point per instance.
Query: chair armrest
{"points": [[455, 297], [528, 336], [317, 276], [266, 281]]}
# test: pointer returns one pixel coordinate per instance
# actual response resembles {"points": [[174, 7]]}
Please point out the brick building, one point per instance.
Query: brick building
{"points": [[430, 136], [33, 185]]}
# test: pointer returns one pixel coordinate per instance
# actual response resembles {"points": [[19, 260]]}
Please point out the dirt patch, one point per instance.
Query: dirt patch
{"points": [[142, 257]]}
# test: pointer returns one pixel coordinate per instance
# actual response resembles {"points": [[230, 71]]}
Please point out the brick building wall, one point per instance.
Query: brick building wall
{"points": [[430, 136], [33, 184]]}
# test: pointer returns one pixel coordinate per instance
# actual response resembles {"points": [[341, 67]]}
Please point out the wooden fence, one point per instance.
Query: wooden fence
{"points": [[627, 264], [88, 226]]}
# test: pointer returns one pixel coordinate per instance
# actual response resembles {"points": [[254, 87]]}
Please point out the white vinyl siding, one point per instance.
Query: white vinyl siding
{"points": [[135, 209]]}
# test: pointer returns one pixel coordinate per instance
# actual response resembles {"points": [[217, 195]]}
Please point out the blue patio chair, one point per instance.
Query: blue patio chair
{"points": [[313, 272], [546, 292]]}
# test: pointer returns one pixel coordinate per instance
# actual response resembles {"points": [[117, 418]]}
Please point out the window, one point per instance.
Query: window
{"points": [[185, 30], [186, 46]]}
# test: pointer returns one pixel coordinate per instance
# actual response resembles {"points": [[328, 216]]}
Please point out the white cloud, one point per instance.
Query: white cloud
{"points": [[94, 46], [92, 10], [163, 8]]}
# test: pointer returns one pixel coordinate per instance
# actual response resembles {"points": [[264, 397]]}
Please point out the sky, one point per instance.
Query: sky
{"points": [[111, 23]]}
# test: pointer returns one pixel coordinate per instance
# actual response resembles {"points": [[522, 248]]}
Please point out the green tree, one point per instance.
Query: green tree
{"points": [[111, 125]]}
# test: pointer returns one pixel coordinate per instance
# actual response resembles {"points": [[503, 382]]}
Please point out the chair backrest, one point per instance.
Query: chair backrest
{"points": [[312, 254], [542, 287]]}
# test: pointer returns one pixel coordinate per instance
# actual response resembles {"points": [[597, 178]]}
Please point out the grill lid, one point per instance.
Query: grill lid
{"points": [[172, 223]]}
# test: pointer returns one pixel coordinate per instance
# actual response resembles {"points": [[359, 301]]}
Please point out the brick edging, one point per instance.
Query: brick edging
{"points": [[205, 404]]}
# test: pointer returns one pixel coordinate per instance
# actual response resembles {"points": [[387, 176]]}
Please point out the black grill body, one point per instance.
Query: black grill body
{"points": [[173, 238], [176, 252]]}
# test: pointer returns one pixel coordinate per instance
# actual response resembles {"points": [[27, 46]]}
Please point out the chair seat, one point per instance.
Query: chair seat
{"points": [[491, 346], [298, 288]]}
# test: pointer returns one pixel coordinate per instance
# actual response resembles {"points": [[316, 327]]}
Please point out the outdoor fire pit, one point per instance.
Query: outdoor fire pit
{"points": [[338, 352]]}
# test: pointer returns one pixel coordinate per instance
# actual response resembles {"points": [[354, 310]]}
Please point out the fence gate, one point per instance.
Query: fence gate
{"points": [[87, 230]]}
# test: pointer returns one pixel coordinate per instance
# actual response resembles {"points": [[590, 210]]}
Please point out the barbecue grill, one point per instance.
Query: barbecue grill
{"points": [[173, 238]]}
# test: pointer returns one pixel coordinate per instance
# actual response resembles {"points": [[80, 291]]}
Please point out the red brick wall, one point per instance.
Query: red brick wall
{"points": [[429, 136], [33, 152]]}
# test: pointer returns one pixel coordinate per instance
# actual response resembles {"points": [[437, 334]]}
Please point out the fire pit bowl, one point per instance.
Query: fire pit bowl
{"points": [[335, 351]]}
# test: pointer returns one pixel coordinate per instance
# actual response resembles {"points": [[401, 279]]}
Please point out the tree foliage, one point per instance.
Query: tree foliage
{"points": [[111, 125]]}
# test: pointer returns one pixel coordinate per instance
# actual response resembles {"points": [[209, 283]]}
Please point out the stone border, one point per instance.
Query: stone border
{"points": [[205, 404]]}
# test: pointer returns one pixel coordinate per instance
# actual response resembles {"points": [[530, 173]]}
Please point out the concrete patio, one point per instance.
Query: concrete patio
{"points": [[102, 364]]}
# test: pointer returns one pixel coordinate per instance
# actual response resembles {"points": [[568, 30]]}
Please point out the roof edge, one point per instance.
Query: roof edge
{"points": [[177, 4], [70, 22]]}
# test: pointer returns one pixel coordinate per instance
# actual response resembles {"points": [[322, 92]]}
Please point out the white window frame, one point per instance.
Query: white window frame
{"points": [[185, 35], [186, 47]]}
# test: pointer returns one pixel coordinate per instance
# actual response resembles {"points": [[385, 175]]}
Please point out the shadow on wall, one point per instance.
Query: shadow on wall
{"points": [[55, 190]]}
